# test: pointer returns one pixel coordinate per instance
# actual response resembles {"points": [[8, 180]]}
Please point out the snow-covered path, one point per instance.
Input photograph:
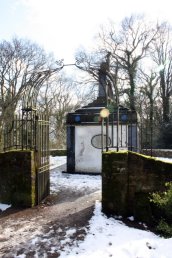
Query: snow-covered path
{"points": [[24, 232]]}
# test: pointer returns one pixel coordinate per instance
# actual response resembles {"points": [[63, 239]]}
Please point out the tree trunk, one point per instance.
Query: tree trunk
{"points": [[165, 98], [132, 91], [166, 109]]}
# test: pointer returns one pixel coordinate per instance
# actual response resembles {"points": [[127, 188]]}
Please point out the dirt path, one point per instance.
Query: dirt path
{"points": [[43, 231]]}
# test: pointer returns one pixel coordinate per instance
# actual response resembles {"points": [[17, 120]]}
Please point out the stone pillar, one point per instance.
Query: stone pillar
{"points": [[115, 183], [18, 178]]}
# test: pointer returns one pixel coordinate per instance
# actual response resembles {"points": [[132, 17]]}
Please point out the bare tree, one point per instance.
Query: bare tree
{"points": [[128, 46], [57, 98], [98, 63], [150, 89], [20, 63], [147, 103], [162, 55]]}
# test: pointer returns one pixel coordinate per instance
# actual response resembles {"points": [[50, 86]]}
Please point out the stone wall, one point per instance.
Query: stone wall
{"points": [[158, 152], [128, 178], [58, 152], [18, 178]]}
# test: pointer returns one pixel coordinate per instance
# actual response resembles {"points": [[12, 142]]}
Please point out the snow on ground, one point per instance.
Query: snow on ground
{"points": [[74, 182], [3, 207], [106, 237], [57, 161]]}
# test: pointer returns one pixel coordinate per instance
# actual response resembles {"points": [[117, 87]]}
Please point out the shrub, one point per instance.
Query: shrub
{"points": [[164, 228], [163, 202]]}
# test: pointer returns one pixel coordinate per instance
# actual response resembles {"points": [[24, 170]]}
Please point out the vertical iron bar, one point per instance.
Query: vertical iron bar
{"points": [[36, 131], [27, 129], [22, 136], [131, 131], [17, 128], [4, 140], [107, 133], [19, 131], [136, 136], [102, 134], [151, 132], [112, 129], [42, 143], [117, 132], [7, 136], [146, 139], [12, 132], [31, 131], [121, 135], [126, 135], [141, 139]]}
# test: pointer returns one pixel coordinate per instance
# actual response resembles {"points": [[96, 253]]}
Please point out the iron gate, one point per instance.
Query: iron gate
{"points": [[30, 131], [42, 143]]}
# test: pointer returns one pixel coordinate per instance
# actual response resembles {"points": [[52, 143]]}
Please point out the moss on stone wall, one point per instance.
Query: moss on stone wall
{"points": [[127, 180], [114, 173], [18, 178], [142, 208], [158, 152]]}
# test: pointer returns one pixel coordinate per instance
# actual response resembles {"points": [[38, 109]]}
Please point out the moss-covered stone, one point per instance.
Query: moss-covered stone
{"points": [[142, 208], [114, 182], [18, 178], [127, 180]]}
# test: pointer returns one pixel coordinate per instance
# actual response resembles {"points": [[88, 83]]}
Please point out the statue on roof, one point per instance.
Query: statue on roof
{"points": [[105, 85]]}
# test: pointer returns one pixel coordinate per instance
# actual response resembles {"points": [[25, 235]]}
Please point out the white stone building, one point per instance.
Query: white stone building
{"points": [[88, 136]]}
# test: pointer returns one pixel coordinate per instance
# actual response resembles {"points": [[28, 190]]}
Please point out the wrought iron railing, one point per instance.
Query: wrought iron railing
{"points": [[30, 131], [21, 132]]}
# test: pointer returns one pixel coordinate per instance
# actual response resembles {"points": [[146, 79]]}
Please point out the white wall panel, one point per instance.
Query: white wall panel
{"points": [[87, 157]]}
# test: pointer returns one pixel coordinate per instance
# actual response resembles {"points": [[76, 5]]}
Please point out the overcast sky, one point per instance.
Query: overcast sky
{"points": [[62, 26]]}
